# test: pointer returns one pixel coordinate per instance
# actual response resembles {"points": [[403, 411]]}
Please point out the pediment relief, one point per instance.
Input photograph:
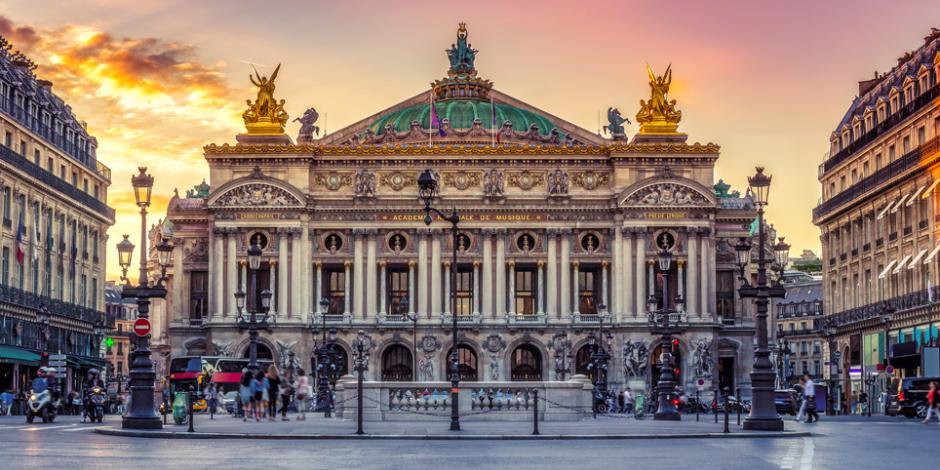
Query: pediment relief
{"points": [[667, 194], [256, 195]]}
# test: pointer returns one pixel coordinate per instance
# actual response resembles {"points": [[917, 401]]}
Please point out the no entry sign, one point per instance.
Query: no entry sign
{"points": [[142, 327]]}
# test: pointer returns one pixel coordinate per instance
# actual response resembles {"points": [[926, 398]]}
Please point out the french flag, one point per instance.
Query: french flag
{"points": [[21, 241], [435, 120]]}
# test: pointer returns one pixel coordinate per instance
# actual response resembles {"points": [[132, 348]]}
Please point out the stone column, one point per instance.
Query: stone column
{"points": [[372, 281], [411, 287], [178, 281], [705, 275], [541, 288], [680, 279], [616, 297], [422, 280], [283, 299], [295, 267], [629, 305], [305, 280], [217, 263], [476, 287], [691, 274], [382, 288], [446, 287], [641, 273], [347, 294], [358, 293], [501, 273], [318, 292], [436, 275], [565, 271], [650, 278], [575, 291], [604, 285], [512, 287], [551, 279], [487, 288], [231, 270], [272, 284]]}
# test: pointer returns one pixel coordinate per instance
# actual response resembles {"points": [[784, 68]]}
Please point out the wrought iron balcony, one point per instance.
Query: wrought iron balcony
{"points": [[29, 300], [921, 298], [525, 319]]}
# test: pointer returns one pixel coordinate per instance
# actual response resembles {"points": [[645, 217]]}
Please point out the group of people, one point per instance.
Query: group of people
{"points": [[259, 392]]}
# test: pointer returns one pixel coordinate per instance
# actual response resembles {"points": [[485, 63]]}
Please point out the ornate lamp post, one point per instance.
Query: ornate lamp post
{"points": [[887, 315], [325, 362], [783, 353], [599, 360], [42, 322], [665, 321], [427, 189], [763, 416], [255, 320], [830, 329], [362, 348], [142, 414]]}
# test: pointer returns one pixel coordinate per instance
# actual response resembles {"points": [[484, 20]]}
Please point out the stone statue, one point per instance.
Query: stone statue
{"points": [[635, 359], [266, 114], [308, 125], [659, 114], [223, 349], [365, 183], [615, 123], [462, 54], [283, 352], [265, 102], [723, 190], [558, 182], [702, 360], [426, 368], [493, 183], [494, 344]]}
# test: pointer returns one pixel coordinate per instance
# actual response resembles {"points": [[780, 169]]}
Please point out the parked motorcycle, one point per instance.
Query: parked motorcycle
{"points": [[40, 404], [96, 404]]}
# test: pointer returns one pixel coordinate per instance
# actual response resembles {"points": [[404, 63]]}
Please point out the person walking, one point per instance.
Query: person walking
{"points": [[932, 403], [809, 396], [257, 395], [212, 400], [245, 395], [287, 391], [302, 388], [273, 385], [628, 401], [801, 388]]}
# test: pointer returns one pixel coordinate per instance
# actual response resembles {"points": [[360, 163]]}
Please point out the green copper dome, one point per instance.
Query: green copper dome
{"points": [[461, 113]]}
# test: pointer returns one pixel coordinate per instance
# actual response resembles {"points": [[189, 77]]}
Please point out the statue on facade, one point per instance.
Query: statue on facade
{"points": [[284, 350], [558, 183], [265, 114], [615, 124], [723, 190], [494, 344], [308, 125], [659, 114], [426, 368], [364, 183], [462, 54], [702, 360], [493, 183], [635, 359], [223, 349]]}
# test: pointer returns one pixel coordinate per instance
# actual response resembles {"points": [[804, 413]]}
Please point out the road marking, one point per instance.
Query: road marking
{"points": [[38, 428], [806, 463], [790, 457], [83, 428]]}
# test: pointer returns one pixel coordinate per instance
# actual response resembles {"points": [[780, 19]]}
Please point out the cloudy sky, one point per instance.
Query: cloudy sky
{"points": [[157, 80]]}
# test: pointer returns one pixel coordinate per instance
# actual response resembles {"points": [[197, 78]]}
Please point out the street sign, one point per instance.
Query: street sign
{"points": [[700, 384], [837, 354], [889, 370], [142, 327]]}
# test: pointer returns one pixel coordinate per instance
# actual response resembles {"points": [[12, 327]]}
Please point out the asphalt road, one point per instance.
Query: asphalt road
{"points": [[849, 443]]}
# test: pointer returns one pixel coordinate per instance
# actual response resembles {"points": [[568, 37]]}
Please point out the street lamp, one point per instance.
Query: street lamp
{"points": [[830, 329], [325, 355], [887, 315], [427, 189], [142, 414], [599, 360], [783, 352], [763, 416], [361, 352], [42, 322], [659, 321], [249, 317]]}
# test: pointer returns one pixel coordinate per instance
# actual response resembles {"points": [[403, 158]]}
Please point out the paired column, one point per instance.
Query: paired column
{"points": [[382, 288], [627, 285], [411, 287], [512, 287], [604, 285], [305, 281], [231, 270], [476, 287], [705, 265], [551, 281], [576, 304], [372, 281], [283, 299], [347, 287], [641, 272], [691, 275], [272, 283], [680, 279], [217, 263], [422, 272], [295, 265], [541, 288], [178, 298], [501, 273], [565, 309], [319, 289], [487, 274], [616, 297], [436, 276], [358, 293], [446, 286]]}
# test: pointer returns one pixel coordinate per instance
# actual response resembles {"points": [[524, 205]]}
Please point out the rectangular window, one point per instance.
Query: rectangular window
{"points": [[198, 296], [62, 171], [891, 152], [336, 290], [6, 206], [397, 283], [49, 164], [464, 291], [36, 157], [8, 140], [905, 145], [5, 268], [587, 291], [525, 291], [921, 135], [74, 178], [94, 293], [724, 294]]}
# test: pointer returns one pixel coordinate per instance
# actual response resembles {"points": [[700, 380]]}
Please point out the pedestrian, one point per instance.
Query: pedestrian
{"points": [[212, 399], [245, 394], [265, 398], [287, 391], [302, 388], [628, 401], [257, 395], [273, 382], [932, 403], [809, 395]]}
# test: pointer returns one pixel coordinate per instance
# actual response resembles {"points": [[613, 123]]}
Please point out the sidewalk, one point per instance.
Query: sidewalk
{"points": [[317, 427]]}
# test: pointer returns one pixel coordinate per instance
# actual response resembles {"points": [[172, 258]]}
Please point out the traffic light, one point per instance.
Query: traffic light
{"points": [[675, 346]]}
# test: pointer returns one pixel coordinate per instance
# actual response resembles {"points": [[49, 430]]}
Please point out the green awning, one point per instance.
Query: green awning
{"points": [[15, 355]]}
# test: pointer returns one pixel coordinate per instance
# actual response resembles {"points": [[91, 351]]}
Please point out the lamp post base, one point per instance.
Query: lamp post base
{"points": [[667, 416], [141, 422], [763, 424]]}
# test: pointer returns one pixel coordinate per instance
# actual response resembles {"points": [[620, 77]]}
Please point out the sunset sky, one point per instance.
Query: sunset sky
{"points": [[767, 81]]}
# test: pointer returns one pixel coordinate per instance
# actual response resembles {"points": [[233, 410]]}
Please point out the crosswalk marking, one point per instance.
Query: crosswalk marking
{"points": [[83, 428], [38, 428], [806, 463]]}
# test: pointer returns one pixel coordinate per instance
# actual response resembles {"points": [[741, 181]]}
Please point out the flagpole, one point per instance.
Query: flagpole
{"points": [[492, 122], [431, 118]]}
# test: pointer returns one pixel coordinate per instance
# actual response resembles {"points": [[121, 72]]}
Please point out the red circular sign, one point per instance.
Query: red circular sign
{"points": [[142, 327]]}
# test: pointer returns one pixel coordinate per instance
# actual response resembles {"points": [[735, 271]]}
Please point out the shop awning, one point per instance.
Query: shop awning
{"points": [[915, 261], [884, 272], [932, 255], [901, 265], [884, 211], [930, 189], [900, 203], [15, 355], [914, 195]]}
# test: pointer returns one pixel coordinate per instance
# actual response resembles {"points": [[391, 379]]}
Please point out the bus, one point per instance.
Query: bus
{"points": [[185, 372], [228, 372]]}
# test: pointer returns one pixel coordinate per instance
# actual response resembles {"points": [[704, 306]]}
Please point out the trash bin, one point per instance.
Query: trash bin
{"points": [[180, 407]]}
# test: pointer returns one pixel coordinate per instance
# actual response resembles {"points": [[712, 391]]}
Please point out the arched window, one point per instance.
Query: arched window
{"points": [[340, 363], [582, 362], [262, 352], [526, 364], [396, 364], [466, 363]]}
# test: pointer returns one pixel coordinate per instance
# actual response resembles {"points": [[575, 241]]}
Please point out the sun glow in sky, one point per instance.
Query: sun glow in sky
{"points": [[768, 81]]}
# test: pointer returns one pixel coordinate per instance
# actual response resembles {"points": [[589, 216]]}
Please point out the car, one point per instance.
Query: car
{"points": [[228, 402], [786, 401], [911, 399]]}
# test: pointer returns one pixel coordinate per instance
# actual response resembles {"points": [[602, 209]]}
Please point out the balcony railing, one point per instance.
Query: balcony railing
{"points": [[7, 155], [56, 307], [886, 125], [921, 298]]}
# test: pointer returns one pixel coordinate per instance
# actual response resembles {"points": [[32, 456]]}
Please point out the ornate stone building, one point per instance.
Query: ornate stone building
{"points": [[558, 235], [878, 224]]}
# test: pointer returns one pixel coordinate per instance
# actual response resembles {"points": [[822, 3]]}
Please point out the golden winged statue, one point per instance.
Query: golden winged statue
{"points": [[659, 114], [266, 114]]}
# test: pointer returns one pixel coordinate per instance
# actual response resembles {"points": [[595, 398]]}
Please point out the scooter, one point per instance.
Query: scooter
{"points": [[96, 401], [40, 404]]}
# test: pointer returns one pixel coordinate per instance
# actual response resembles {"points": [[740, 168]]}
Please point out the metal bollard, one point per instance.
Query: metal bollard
{"points": [[698, 404], [715, 408], [535, 414], [192, 397], [740, 403], [727, 408]]}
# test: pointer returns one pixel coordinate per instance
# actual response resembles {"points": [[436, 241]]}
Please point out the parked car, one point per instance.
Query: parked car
{"points": [[911, 397], [786, 401]]}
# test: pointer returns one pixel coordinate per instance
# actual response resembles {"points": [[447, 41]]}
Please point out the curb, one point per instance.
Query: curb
{"points": [[443, 437]]}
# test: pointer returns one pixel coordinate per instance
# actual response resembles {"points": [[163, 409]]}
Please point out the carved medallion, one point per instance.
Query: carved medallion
{"points": [[526, 180], [257, 195], [494, 343], [667, 194], [591, 180], [398, 180], [333, 181], [462, 179]]}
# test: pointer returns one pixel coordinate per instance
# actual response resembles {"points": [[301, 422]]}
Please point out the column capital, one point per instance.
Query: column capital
{"points": [[272, 262], [412, 263], [604, 263], [382, 263], [242, 262], [680, 262], [511, 263], [347, 263], [540, 263], [575, 263], [476, 263], [319, 263], [445, 262]]}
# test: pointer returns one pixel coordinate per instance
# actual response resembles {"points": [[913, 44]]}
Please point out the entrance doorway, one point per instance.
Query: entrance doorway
{"points": [[726, 373]]}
